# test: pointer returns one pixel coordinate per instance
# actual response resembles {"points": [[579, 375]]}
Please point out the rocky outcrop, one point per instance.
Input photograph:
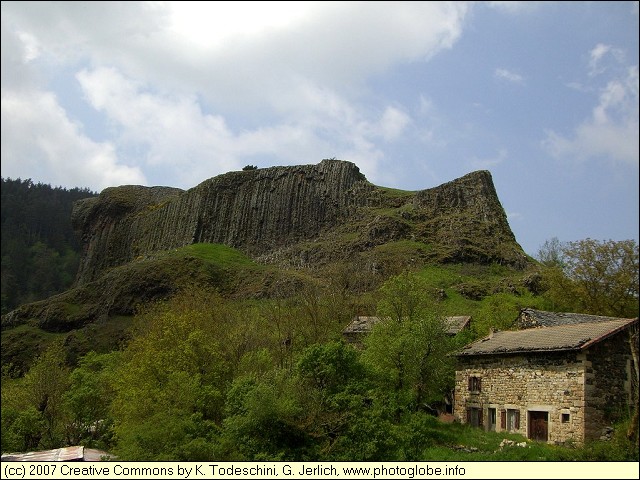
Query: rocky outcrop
{"points": [[266, 210], [253, 210]]}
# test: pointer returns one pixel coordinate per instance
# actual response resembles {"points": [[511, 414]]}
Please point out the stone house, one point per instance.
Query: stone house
{"points": [[566, 381]]}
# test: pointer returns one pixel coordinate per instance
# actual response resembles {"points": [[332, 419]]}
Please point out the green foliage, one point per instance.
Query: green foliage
{"points": [[408, 350], [173, 375], [551, 253], [599, 278], [89, 398], [22, 428], [263, 419], [329, 367], [40, 252], [34, 414]]}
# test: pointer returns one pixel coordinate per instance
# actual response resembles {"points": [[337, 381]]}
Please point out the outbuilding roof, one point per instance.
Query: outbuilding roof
{"points": [[65, 454], [456, 324], [361, 324], [577, 336], [531, 318]]}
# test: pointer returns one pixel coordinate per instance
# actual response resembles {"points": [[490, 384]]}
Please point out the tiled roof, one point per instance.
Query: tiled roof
{"points": [[455, 324], [530, 318], [546, 339]]}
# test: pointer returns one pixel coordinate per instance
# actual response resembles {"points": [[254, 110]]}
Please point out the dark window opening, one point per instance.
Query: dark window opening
{"points": [[475, 384], [492, 414], [565, 418], [474, 416]]}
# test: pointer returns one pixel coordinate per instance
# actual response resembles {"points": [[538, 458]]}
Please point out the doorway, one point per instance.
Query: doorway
{"points": [[539, 426]]}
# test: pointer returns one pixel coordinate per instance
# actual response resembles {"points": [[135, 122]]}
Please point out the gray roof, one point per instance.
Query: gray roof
{"points": [[530, 318], [547, 339], [361, 324], [364, 324], [455, 324], [66, 454]]}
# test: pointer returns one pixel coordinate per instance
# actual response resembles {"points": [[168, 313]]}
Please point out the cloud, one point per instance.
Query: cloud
{"points": [[393, 123], [175, 134], [487, 163], [509, 76], [337, 44], [200, 101], [514, 7], [598, 55], [612, 129], [37, 136]]}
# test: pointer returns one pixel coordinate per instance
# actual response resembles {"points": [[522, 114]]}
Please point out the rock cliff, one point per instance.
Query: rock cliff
{"points": [[267, 210]]}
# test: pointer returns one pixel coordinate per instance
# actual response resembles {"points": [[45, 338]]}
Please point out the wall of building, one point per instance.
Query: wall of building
{"points": [[552, 383], [608, 386]]}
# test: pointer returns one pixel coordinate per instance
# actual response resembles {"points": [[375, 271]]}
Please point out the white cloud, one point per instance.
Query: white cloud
{"points": [[488, 163], [337, 44], [598, 55], [40, 142], [393, 123], [509, 76], [176, 135], [612, 129], [514, 7], [177, 92]]}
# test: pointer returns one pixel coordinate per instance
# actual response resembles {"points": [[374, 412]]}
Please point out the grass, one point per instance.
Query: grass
{"points": [[473, 444], [221, 255]]}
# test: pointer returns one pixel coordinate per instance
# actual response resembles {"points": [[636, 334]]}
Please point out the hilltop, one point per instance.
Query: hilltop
{"points": [[262, 233]]}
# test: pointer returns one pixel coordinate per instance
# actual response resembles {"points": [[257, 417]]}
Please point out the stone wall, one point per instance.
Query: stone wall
{"points": [[608, 386], [552, 383], [583, 392]]}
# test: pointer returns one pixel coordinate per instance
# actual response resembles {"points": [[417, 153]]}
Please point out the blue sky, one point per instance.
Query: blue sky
{"points": [[544, 95]]}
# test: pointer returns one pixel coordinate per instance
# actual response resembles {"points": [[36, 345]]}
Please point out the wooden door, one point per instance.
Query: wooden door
{"points": [[539, 426]]}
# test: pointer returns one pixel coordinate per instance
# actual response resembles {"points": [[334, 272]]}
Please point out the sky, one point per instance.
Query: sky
{"points": [[544, 95]]}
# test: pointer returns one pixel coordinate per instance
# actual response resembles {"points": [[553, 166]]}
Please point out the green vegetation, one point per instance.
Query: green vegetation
{"points": [[201, 353], [40, 253], [202, 376]]}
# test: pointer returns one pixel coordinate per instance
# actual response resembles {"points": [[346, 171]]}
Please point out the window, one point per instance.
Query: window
{"points": [[475, 384], [492, 414], [474, 416], [565, 418], [513, 419]]}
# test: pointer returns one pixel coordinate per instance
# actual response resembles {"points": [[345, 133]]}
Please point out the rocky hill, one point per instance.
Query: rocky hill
{"points": [[257, 234], [267, 212]]}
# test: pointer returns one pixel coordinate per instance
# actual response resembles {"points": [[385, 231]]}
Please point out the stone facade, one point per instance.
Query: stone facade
{"points": [[553, 396]]}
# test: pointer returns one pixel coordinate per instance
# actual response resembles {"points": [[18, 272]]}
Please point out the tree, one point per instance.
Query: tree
{"points": [[595, 277], [171, 382], [89, 399], [46, 383], [408, 348], [550, 253]]}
